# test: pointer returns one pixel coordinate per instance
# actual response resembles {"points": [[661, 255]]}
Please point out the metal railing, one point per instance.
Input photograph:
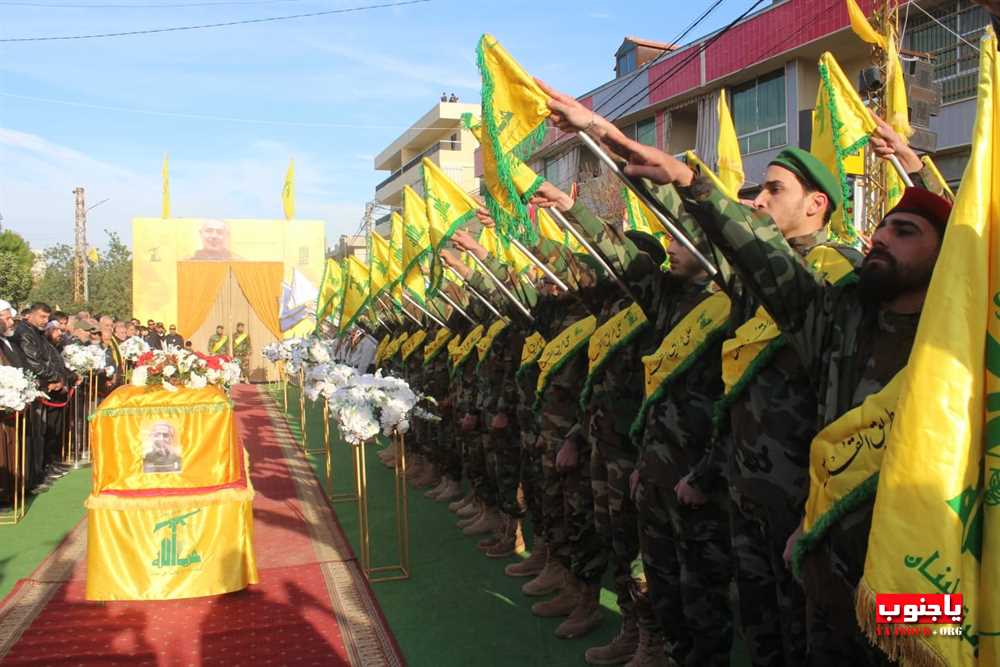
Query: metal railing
{"points": [[431, 150]]}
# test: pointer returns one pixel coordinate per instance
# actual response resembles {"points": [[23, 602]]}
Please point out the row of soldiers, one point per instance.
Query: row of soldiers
{"points": [[668, 414]]}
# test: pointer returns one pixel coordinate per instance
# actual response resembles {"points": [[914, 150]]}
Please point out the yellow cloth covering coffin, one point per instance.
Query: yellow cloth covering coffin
{"points": [[170, 513]]}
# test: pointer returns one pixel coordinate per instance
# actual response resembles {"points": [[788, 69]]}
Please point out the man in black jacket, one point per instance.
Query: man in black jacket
{"points": [[42, 359]]}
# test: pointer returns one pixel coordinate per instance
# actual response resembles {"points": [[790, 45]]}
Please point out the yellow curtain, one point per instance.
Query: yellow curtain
{"points": [[197, 285], [261, 285]]}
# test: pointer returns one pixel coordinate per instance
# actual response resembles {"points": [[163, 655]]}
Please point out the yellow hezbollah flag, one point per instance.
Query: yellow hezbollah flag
{"points": [[166, 186], [639, 218], [378, 258], [396, 259], [416, 244], [942, 185], [514, 113], [861, 27], [936, 526], [510, 255], [330, 291], [730, 164], [506, 207], [897, 115], [840, 127], [356, 293], [93, 255], [694, 161], [288, 192], [548, 229], [448, 209]]}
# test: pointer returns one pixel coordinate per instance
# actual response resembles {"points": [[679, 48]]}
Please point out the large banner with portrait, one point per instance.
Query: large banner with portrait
{"points": [[163, 248]]}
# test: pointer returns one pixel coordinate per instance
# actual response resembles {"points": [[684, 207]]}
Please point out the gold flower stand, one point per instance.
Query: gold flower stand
{"points": [[18, 472], [401, 570]]}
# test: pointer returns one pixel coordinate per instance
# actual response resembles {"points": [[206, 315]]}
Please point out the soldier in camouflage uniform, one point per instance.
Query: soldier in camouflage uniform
{"points": [[685, 550], [442, 433]]}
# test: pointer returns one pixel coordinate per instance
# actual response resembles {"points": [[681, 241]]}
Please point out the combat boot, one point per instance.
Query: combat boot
{"points": [[415, 469], [620, 650], [470, 509], [550, 579], [533, 564], [472, 515], [458, 504], [488, 521], [652, 651], [451, 491], [388, 455], [429, 477], [436, 491], [585, 616], [562, 604], [508, 543]]}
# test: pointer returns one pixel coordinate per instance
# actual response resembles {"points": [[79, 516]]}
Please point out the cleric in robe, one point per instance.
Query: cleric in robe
{"points": [[214, 235], [160, 450]]}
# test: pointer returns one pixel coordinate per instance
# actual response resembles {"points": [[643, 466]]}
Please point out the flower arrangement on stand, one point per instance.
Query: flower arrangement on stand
{"points": [[299, 353], [18, 389], [176, 367], [132, 348], [82, 359], [371, 404]]}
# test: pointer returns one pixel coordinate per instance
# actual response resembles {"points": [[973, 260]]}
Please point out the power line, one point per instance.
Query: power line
{"points": [[216, 25], [45, 5]]}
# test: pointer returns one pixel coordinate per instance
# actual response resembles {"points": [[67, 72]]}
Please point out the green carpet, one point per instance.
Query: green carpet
{"points": [[51, 515], [458, 608]]}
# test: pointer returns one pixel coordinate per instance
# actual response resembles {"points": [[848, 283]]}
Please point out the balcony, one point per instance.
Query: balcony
{"points": [[431, 150]]}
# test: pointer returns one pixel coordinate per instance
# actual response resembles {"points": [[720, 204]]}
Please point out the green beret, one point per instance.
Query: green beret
{"points": [[804, 165]]}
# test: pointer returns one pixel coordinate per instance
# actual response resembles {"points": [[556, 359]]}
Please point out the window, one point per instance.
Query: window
{"points": [[759, 113], [645, 131], [551, 170], [956, 65], [626, 62]]}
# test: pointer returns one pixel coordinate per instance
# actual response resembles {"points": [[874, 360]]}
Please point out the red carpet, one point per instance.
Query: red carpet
{"points": [[312, 606]]}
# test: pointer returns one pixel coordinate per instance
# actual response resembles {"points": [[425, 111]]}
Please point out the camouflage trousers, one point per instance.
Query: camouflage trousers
{"points": [[687, 560], [772, 603], [503, 455], [475, 466], [531, 480], [420, 442], [444, 448], [615, 519]]}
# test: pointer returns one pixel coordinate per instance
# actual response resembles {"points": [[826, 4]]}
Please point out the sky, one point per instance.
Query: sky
{"points": [[232, 105]]}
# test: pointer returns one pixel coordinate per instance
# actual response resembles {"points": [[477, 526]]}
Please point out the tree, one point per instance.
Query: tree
{"points": [[111, 279], [13, 243], [55, 287], [15, 278]]}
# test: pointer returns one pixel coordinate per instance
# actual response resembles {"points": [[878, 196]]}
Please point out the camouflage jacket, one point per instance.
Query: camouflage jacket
{"points": [[850, 347], [763, 446]]}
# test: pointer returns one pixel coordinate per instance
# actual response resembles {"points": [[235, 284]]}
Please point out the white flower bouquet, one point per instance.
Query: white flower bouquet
{"points": [[81, 359], [133, 348], [369, 404], [18, 389]]}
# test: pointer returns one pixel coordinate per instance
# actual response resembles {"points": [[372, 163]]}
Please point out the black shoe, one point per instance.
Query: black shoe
{"points": [[41, 488]]}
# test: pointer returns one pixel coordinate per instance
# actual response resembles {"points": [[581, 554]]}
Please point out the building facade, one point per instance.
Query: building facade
{"points": [[767, 65], [439, 135]]}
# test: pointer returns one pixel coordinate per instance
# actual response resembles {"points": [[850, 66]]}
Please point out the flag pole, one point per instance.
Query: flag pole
{"points": [[482, 298], [654, 206], [422, 309], [561, 219], [903, 176], [457, 308], [408, 314], [503, 288], [541, 265]]}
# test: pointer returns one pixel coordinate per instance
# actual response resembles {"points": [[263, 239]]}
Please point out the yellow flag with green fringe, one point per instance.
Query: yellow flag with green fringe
{"points": [[356, 295], [841, 125], [514, 111], [730, 163], [378, 264], [395, 288], [548, 229], [639, 218], [448, 209], [330, 291], [936, 522], [416, 245], [508, 255]]}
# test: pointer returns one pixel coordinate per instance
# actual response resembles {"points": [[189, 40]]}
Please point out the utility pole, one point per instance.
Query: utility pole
{"points": [[81, 291]]}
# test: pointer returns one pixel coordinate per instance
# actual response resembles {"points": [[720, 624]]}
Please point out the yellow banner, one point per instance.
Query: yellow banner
{"points": [[436, 344], [412, 343], [381, 347], [393, 347], [218, 345], [533, 346], [463, 350], [147, 438], [484, 344], [561, 348], [608, 339]]}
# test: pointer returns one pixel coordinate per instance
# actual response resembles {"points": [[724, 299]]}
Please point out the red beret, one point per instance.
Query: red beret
{"points": [[925, 204]]}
